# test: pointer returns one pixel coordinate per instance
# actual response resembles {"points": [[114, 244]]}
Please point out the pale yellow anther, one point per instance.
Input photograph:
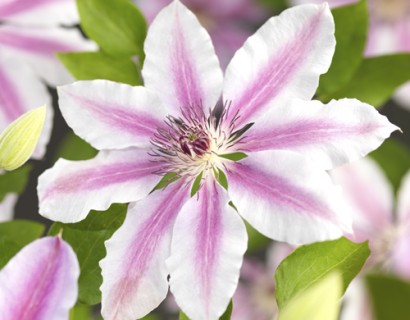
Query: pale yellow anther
{"points": [[19, 139]]}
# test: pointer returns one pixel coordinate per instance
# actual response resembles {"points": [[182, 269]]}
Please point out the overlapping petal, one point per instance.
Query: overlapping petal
{"points": [[69, 190], [134, 271], [39, 12], [20, 92], [330, 135], [40, 282], [370, 195], [121, 115], [180, 63], [37, 48], [281, 61], [288, 198], [208, 243]]}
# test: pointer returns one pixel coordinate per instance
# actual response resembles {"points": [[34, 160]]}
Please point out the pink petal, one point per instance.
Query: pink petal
{"points": [[282, 60], [20, 92], [180, 61], [208, 244], [7, 207], [69, 190], [121, 115], [332, 3], [330, 135], [40, 282], [38, 46], [39, 12], [403, 200], [370, 196], [287, 198], [134, 272]]}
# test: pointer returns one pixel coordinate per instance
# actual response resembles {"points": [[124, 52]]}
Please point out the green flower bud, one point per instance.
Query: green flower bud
{"points": [[19, 139]]}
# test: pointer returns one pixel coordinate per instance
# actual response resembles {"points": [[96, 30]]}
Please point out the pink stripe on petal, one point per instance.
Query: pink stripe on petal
{"points": [[181, 65], [283, 60], [134, 273], [34, 44], [122, 115], [40, 282], [208, 243], [288, 198], [10, 101], [79, 186], [330, 135], [16, 6]]}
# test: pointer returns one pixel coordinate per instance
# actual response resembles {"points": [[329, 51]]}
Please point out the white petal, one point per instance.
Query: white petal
{"points": [[287, 198], [134, 272], [180, 63], [330, 135], [69, 190], [208, 244], [40, 282], [7, 207], [281, 61], [121, 115]]}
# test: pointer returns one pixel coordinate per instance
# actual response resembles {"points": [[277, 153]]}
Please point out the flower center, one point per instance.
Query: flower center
{"points": [[390, 10]]}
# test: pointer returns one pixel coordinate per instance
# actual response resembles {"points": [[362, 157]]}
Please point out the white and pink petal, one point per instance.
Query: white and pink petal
{"points": [[134, 271], [37, 47], [287, 198], [180, 63], [7, 207], [121, 115], [40, 282], [329, 135], [20, 92], [208, 244], [281, 61], [69, 190], [39, 12]]}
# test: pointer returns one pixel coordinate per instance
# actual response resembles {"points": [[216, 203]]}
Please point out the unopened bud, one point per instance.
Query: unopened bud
{"points": [[19, 139]]}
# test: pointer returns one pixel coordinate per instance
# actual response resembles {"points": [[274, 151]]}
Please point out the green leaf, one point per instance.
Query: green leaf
{"points": [[14, 181], [351, 31], [226, 316], [87, 240], [390, 297], [117, 26], [74, 148], [98, 65], [236, 156], [376, 79], [16, 234], [81, 312], [310, 263], [394, 158], [196, 184], [318, 302]]}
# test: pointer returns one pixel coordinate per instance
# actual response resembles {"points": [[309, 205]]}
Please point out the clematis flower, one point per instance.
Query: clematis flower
{"points": [[389, 32], [169, 128], [40, 282], [371, 197], [228, 22]]}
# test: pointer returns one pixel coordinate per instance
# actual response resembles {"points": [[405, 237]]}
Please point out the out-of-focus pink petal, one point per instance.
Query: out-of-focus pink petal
{"points": [[21, 91], [330, 135], [69, 190], [287, 198], [39, 12], [7, 207], [37, 47], [282, 60], [134, 271], [208, 244], [332, 3], [403, 200], [180, 63], [402, 96], [121, 115], [370, 195], [356, 302], [40, 282]]}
